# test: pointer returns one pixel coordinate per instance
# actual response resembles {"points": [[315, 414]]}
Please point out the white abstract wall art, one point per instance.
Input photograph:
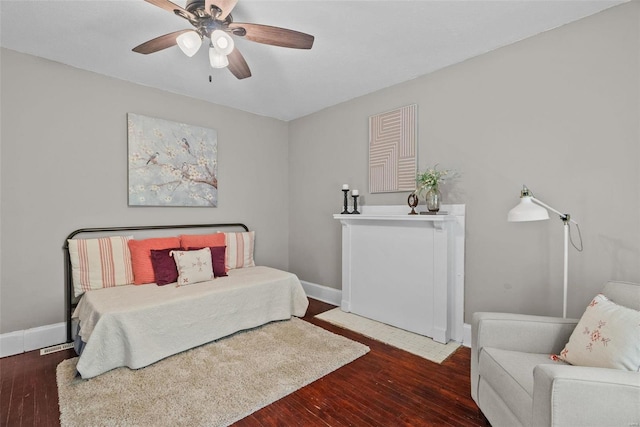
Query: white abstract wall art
{"points": [[171, 164], [393, 150]]}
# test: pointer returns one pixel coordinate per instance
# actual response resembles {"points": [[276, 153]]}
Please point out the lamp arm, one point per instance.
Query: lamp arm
{"points": [[563, 216]]}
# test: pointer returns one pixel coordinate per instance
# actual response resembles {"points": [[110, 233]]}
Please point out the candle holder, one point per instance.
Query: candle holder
{"points": [[412, 201], [355, 204], [345, 211]]}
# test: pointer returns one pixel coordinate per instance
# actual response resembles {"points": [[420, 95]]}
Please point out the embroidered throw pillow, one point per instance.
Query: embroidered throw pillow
{"points": [[100, 263], [193, 266], [607, 336], [217, 259], [141, 256], [240, 249]]}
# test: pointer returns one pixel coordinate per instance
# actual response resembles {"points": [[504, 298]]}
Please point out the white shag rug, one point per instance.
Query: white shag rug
{"points": [[413, 343], [212, 385]]}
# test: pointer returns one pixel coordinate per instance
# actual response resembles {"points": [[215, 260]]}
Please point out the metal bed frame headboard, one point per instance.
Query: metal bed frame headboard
{"points": [[69, 294]]}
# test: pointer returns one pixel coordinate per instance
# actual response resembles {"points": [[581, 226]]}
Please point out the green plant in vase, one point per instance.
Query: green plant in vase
{"points": [[428, 182]]}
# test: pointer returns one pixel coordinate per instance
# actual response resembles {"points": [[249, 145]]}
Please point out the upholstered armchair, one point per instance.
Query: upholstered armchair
{"points": [[516, 383]]}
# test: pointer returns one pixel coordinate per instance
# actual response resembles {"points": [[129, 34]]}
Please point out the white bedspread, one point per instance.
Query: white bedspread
{"points": [[136, 326]]}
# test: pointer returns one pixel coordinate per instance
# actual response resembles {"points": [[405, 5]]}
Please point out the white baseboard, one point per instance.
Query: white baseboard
{"points": [[32, 339], [322, 293], [11, 343], [466, 335]]}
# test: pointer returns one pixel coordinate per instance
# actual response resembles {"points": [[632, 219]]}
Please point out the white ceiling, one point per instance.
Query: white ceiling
{"points": [[360, 46]]}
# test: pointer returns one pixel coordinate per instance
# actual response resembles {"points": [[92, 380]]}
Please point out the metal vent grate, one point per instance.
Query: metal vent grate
{"points": [[55, 348]]}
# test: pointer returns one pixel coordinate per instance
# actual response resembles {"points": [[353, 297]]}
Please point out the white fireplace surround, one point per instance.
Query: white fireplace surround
{"points": [[406, 270]]}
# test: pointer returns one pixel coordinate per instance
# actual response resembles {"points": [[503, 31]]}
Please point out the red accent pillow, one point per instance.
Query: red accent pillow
{"points": [[199, 241], [217, 259], [164, 266], [141, 256]]}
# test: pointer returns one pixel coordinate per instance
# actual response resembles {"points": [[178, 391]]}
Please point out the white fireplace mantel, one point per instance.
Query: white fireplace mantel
{"points": [[406, 270]]}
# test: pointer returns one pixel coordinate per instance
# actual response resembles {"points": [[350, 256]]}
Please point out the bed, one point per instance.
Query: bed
{"points": [[135, 325]]}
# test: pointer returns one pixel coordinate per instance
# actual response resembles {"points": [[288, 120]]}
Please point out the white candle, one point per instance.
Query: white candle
{"points": [[354, 192], [345, 186]]}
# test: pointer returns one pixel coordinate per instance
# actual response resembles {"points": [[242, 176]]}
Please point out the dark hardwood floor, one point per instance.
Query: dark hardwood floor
{"points": [[385, 387]]}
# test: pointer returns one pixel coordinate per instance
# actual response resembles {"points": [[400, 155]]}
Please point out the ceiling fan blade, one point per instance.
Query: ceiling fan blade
{"points": [[225, 6], [159, 43], [237, 65], [275, 36], [172, 7]]}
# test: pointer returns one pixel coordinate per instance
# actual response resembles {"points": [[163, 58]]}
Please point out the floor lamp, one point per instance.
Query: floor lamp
{"points": [[532, 209]]}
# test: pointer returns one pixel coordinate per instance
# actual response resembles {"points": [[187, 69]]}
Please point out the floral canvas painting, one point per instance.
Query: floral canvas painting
{"points": [[171, 164]]}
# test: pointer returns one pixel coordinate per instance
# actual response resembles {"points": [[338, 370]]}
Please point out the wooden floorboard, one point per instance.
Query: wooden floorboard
{"points": [[385, 387]]}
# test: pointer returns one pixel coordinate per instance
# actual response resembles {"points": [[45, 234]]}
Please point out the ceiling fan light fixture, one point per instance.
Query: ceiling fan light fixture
{"points": [[222, 42], [217, 59], [212, 19], [189, 42]]}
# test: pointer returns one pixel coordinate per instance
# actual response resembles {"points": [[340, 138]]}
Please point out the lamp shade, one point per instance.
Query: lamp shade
{"points": [[217, 59], [526, 210], [189, 42], [222, 42]]}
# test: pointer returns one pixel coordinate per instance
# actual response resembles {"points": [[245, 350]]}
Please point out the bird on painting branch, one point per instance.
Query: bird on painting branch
{"points": [[154, 158], [185, 145]]}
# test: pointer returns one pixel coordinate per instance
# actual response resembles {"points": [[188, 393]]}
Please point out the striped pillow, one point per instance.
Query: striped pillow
{"points": [[239, 250], [100, 263]]}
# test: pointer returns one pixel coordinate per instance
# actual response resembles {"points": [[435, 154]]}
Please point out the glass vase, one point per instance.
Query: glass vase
{"points": [[432, 198]]}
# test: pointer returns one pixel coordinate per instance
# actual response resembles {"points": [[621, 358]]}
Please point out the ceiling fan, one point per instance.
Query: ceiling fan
{"points": [[212, 19]]}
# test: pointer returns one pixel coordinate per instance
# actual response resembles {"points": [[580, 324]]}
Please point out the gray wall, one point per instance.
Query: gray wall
{"points": [[64, 166], [558, 112]]}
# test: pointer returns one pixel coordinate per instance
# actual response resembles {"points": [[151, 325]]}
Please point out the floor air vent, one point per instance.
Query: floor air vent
{"points": [[55, 348]]}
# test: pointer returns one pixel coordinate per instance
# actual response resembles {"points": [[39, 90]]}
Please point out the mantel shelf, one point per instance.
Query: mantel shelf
{"points": [[362, 217]]}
